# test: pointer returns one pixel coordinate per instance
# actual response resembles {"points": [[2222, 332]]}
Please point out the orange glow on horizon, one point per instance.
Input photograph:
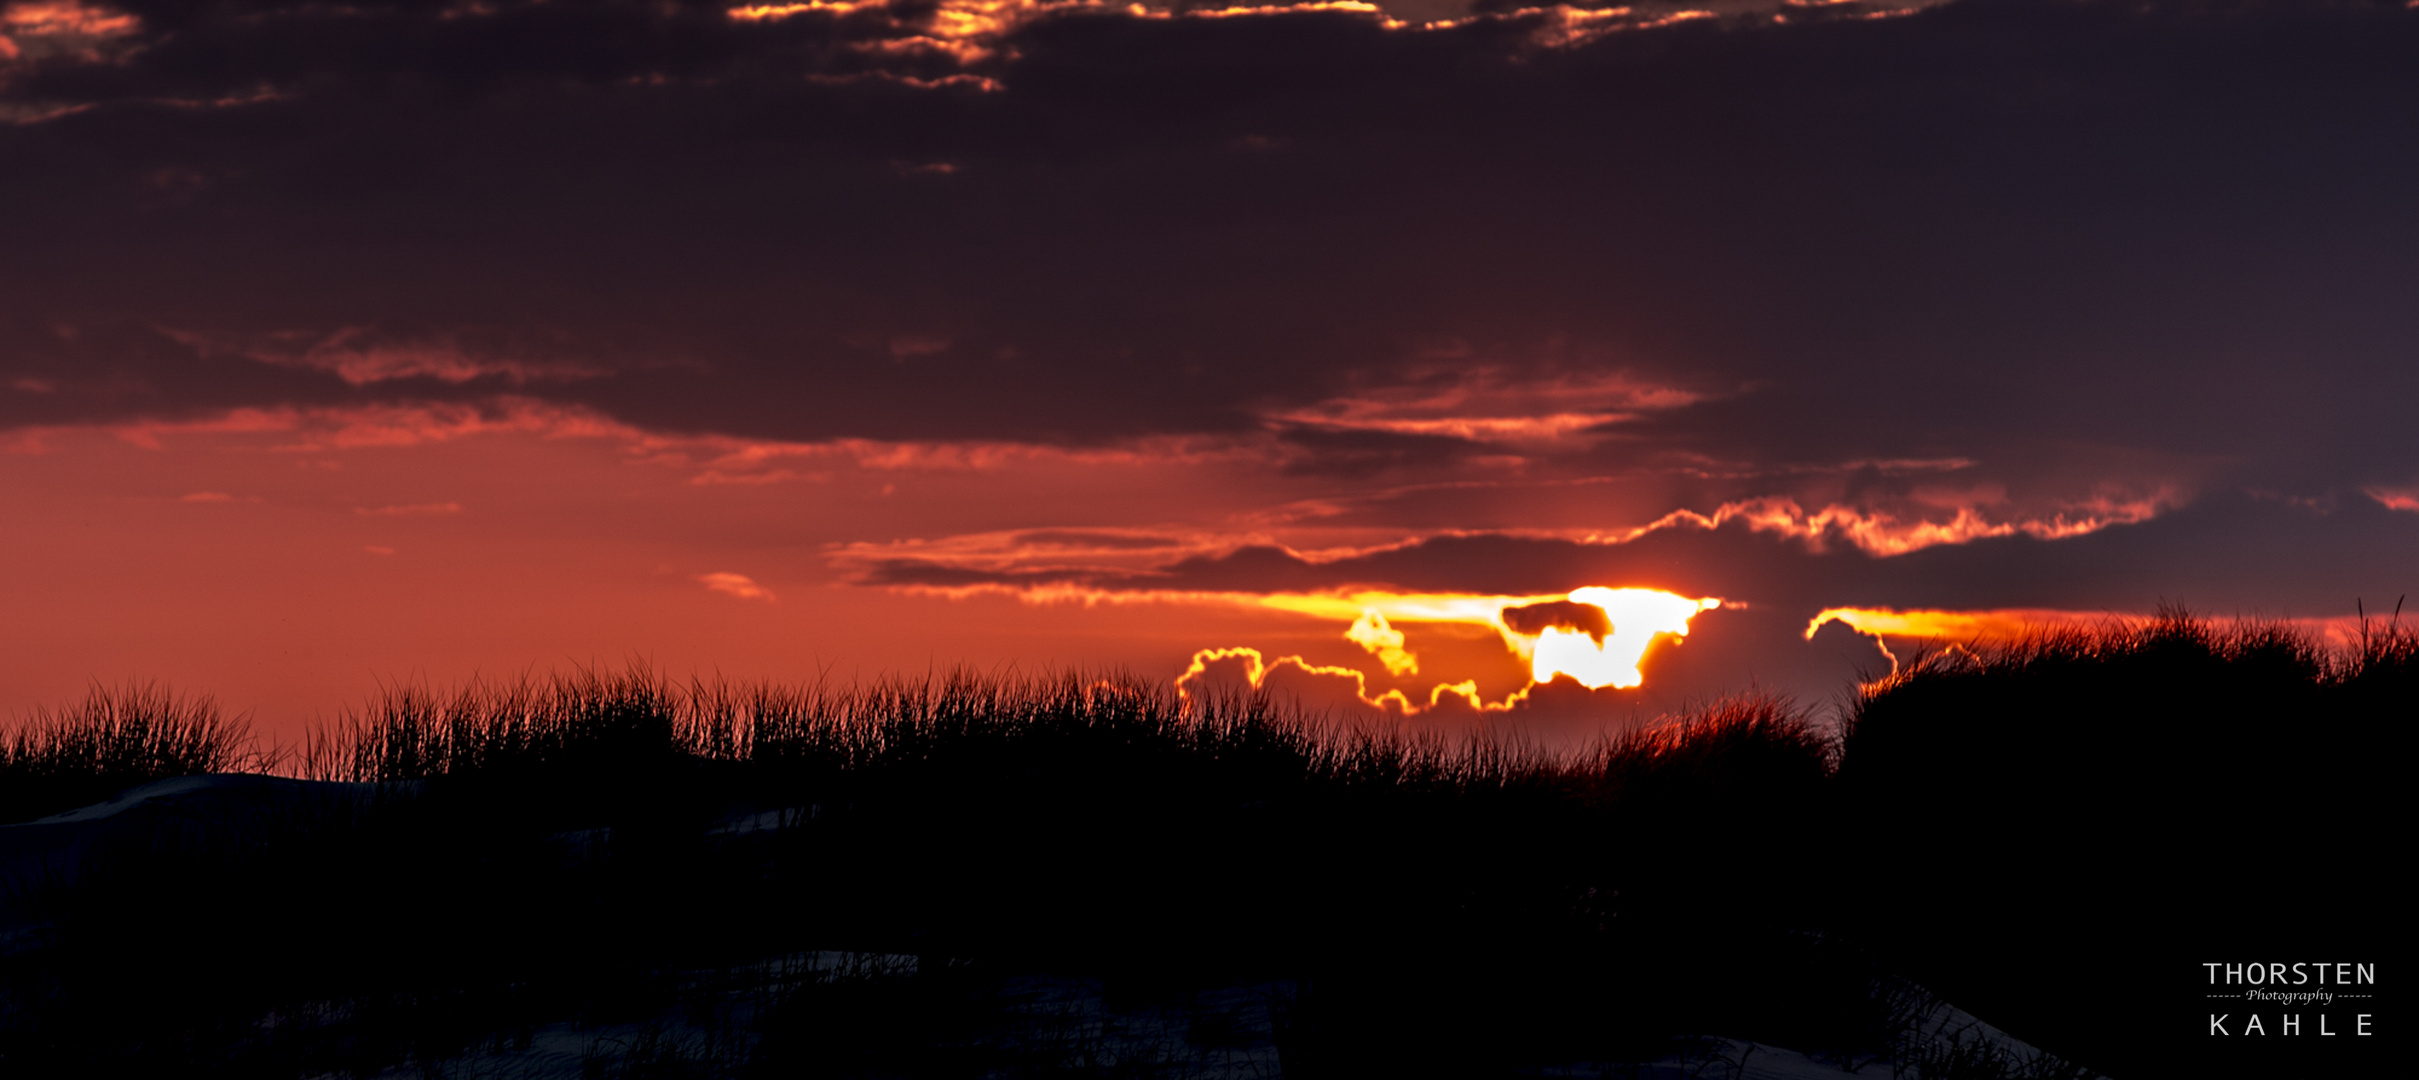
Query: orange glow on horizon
{"points": [[1962, 625], [1984, 628], [1257, 669], [1637, 618], [2011, 624]]}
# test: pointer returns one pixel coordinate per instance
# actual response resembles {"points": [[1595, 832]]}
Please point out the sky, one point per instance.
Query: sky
{"points": [[1331, 345]]}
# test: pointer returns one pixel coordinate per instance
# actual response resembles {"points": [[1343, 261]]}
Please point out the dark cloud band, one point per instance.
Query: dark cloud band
{"points": [[1987, 230]]}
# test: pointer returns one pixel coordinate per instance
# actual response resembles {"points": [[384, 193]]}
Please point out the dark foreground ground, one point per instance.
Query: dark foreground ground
{"points": [[1077, 877]]}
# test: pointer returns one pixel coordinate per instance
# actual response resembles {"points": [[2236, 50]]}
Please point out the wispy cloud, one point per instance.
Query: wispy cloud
{"points": [[1055, 554], [1493, 406], [373, 426], [739, 585], [364, 356], [2395, 498], [1884, 532]]}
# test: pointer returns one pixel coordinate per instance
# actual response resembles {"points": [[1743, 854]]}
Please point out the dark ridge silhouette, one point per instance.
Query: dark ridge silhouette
{"points": [[2058, 832], [908, 878]]}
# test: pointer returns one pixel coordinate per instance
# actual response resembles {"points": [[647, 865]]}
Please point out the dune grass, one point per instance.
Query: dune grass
{"points": [[549, 849], [579, 848], [116, 738], [636, 717]]}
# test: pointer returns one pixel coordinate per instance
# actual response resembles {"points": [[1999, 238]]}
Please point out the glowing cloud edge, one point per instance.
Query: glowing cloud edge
{"points": [[1639, 617]]}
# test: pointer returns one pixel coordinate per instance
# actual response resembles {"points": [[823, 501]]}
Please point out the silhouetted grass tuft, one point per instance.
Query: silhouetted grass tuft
{"points": [[114, 739], [586, 720]]}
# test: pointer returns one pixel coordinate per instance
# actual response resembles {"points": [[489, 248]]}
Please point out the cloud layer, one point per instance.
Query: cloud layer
{"points": [[1985, 229], [1991, 304]]}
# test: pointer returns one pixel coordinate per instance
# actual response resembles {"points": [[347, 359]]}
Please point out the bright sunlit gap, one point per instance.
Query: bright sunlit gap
{"points": [[1637, 617], [1595, 635]]}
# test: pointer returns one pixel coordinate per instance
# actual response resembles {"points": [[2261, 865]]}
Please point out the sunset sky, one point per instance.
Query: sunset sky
{"points": [[369, 342]]}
